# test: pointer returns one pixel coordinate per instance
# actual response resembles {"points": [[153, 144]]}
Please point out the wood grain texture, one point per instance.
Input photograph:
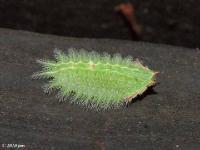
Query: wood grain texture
{"points": [[164, 119]]}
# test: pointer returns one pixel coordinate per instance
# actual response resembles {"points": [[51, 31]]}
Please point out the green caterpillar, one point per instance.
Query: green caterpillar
{"points": [[95, 80]]}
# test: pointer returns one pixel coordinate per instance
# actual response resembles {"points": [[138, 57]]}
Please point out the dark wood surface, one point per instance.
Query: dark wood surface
{"points": [[167, 118]]}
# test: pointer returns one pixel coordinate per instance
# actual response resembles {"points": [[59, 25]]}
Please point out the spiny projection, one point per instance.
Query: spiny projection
{"points": [[97, 80]]}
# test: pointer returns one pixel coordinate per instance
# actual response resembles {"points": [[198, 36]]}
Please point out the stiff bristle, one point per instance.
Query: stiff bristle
{"points": [[98, 80]]}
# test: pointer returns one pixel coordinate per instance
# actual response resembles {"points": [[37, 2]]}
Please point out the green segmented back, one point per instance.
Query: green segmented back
{"points": [[96, 79]]}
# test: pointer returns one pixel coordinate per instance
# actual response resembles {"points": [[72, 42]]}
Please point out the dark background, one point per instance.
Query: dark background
{"points": [[174, 22]]}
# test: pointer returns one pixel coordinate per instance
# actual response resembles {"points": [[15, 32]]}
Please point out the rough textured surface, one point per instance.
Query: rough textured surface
{"points": [[165, 119]]}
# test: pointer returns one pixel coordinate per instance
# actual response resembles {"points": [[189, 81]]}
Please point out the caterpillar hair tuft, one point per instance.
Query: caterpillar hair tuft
{"points": [[95, 80]]}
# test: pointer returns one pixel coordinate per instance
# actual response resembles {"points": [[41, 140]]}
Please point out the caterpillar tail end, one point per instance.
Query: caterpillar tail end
{"points": [[130, 98]]}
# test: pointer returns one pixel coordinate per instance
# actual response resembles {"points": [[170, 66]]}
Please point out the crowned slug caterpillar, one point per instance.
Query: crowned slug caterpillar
{"points": [[95, 79]]}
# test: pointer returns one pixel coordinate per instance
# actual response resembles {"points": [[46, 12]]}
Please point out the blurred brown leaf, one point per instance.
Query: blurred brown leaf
{"points": [[128, 11]]}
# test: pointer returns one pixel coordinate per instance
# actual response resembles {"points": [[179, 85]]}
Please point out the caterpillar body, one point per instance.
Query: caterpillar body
{"points": [[97, 80]]}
